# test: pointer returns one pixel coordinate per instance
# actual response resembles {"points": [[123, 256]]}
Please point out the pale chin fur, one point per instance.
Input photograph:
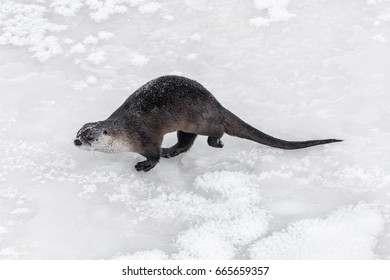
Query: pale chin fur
{"points": [[85, 147], [106, 144]]}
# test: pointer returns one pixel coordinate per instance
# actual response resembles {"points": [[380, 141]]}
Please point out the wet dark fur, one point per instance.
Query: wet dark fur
{"points": [[174, 103]]}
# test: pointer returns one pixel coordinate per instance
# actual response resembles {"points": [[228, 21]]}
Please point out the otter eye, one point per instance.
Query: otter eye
{"points": [[90, 138], [105, 132]]}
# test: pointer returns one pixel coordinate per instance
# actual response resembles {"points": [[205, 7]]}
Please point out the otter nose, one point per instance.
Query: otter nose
{"points": [[77, 142]]}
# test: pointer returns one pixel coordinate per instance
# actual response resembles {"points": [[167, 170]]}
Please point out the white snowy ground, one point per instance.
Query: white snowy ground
{"points": [[297, 70]]}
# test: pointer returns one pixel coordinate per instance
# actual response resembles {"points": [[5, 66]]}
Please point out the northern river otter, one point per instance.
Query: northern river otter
{"points": [[167, 104]]}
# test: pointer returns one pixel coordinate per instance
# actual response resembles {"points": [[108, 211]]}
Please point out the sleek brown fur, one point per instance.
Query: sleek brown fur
{"points": [[168, 104]]}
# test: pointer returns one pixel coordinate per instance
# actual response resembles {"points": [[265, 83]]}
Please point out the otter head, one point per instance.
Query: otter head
{"points": [[102, 137]]}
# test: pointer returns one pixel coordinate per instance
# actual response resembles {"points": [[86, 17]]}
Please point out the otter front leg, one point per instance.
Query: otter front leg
{"points": [[150, 150]]}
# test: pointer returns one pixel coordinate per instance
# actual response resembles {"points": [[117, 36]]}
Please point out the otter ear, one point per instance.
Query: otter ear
{"points": [[105, 132]]}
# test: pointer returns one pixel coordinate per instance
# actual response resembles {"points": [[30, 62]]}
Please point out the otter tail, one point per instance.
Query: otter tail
{"points": [[236, 127]]}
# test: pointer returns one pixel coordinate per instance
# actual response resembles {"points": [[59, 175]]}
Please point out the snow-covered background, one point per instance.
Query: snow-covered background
{"points": [[295, 69]]}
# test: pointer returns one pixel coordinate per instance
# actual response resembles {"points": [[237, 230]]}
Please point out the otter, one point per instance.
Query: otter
{"points": [[168, 104]]}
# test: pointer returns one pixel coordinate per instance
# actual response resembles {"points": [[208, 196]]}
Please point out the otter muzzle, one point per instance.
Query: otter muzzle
{"points": [[77, 142]]}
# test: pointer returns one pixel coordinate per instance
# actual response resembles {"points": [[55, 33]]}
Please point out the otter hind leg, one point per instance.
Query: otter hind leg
{"points": [[184, 143], [215, 142]]}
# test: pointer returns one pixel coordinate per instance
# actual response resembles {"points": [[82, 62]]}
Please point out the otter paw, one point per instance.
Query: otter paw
{"points": [[145, 165], [165, 153], [215, 142]]}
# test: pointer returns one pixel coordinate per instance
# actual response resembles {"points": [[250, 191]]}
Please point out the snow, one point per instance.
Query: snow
{"points": [[294, 69], [105, 35], [97, 57], [200, 5], [77, 48], [102, 10], [192, 56], [19, 211], [66, 7], [348, 233], [379, 38], [138, 59], [25, 25], [144, 255], [169, 17], [149, 8], [90, 40], [204, 243], [196, 37], [275, 10], [92, 80]]}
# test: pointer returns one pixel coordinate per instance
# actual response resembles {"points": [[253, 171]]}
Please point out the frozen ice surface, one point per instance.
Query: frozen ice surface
{"points": [[348, 233], [144, 255], [150, 7], [272, 10], [294, 69], [97, 57]]}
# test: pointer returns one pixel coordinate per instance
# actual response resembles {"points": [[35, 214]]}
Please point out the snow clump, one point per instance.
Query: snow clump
{"points": [[77, 48], [102, 10], [25, 25], [348, 233], [90, 40], [105, 35], [138, 59], [196, 37], [149, 8], [275, 10], [66, 7], [237, 218], [97, 57]]}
